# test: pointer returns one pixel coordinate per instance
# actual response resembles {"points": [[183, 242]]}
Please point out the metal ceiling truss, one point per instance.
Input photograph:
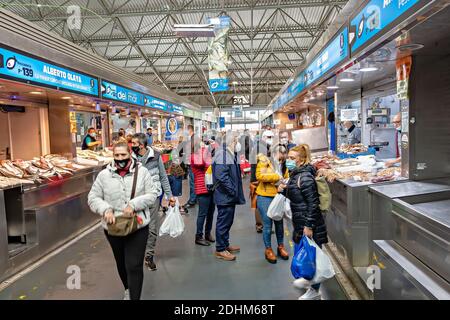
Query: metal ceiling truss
{"points": [[268, 39]]}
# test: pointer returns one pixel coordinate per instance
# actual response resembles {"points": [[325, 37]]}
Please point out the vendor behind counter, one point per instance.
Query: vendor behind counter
{"points": [[354, 133], [397, 121], [90, 142]]}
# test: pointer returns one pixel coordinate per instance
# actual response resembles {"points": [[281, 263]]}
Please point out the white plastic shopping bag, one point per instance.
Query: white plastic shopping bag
{"points": [[324, 268], [277, 207], [173, 225], [287, 209]]}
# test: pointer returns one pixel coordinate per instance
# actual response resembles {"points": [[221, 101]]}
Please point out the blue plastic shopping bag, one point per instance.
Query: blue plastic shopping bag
{"points": [[304, 261]]}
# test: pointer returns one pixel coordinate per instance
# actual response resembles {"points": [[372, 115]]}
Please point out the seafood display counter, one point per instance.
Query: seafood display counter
{"points": [[348, 220], [37, 218], [411, 233]]}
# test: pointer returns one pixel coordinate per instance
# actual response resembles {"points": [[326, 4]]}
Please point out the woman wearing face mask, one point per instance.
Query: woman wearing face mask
{"points": [[200, 162], [90, 142], [307, 218], [111, 197], [267, 176]]}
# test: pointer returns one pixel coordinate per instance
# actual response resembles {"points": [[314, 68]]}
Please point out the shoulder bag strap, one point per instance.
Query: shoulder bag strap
{"points": [[135, 176]]}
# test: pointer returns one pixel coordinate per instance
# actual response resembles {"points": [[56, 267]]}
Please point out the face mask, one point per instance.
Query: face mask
{"points": [[122, 163], [238, 147], [136, 149], [93, 135], [399, 129], [290, 164], [284, 141]]}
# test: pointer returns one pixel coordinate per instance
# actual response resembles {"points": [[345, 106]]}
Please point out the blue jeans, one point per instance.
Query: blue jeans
{"points": [[225, 218], [192, 195], [206, 208], [263, 204], [176, 185]]}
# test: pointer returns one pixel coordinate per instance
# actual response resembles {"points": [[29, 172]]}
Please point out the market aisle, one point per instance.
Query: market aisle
{"points": [[185, 270]]}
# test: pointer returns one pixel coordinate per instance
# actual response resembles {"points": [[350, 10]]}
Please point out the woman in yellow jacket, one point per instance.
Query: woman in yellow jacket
{"points": [[268, 178]]}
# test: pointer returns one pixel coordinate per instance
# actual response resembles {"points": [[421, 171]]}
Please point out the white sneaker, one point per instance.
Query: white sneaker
{"points": [[126, 295], [311, 294], [302, 283]]}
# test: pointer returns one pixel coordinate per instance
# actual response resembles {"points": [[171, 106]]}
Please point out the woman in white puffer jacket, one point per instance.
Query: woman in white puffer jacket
{"points": [[110, 197]]}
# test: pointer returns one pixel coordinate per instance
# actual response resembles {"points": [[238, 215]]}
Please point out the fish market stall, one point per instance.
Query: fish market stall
{"points": [[348, 220], [43, 203]]}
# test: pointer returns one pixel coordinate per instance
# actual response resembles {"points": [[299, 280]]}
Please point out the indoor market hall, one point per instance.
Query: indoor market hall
{"points": [[202, 152]]}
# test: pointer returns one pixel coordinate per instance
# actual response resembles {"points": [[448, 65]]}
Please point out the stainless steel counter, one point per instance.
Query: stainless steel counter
{"points": [[416, 217], [403, 277], [38, 219], [348, 223], [349, 227]]}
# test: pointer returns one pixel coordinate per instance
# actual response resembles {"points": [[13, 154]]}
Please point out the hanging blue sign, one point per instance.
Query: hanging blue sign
{"points": [[296, 86], [221, 122], [328, 58], [16, 66], [173, 108], [155, 103], [333, 54], [374, 17], [219, 84], [114, 92]]}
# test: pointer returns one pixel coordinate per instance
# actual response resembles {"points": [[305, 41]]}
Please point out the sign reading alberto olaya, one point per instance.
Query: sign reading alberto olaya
{"points": [[24, 68]]}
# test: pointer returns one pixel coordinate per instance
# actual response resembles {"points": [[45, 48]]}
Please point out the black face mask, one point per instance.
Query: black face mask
{"points": [[122, 163], [136, 149]]}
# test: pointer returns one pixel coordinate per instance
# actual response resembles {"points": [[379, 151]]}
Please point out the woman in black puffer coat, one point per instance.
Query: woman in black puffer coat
{"points": [[301, 190]]}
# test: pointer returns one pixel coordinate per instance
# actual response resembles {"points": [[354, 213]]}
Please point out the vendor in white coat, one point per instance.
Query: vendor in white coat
{"points": [[397, 121], [110, 197]]}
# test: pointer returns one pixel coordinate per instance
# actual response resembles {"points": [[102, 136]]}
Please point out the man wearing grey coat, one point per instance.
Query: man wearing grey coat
{"points": [[354, 133], [151, 159]]}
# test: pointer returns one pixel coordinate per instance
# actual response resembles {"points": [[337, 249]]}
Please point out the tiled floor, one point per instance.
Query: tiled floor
{"points": [[185, 271]]}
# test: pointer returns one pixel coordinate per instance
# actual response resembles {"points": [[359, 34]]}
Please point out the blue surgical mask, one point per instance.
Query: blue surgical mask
{"points": [[290, 164]]}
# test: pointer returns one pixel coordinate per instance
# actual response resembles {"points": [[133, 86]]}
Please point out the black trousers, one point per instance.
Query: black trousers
{"points": [[129, 253]]}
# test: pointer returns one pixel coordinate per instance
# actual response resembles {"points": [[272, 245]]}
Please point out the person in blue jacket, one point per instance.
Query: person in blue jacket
{"points": [[228, 193]]}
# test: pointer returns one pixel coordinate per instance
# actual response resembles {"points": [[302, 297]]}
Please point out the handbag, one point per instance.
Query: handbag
{"points": [[253, 195], [125, 225]]}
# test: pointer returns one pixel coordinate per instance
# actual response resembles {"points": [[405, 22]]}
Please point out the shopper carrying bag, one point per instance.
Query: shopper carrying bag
{"points": [[267, 190], [307, 216], [173, 225], [123, 194]]}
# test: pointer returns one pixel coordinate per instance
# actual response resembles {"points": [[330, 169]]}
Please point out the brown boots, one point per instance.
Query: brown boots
{"points": [[270, 256], [282, 253]]}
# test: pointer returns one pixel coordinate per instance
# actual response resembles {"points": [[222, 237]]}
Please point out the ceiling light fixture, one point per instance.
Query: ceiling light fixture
{"points": [[368, 69], [66, 98], [410, 47], [35, 92], [194, 30], [347, 78], [332, 87]]}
